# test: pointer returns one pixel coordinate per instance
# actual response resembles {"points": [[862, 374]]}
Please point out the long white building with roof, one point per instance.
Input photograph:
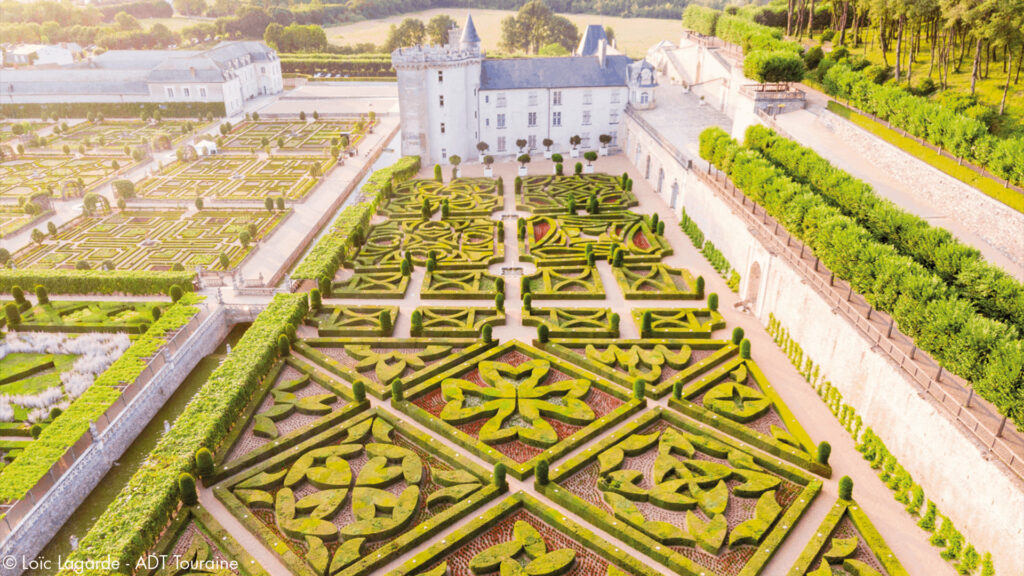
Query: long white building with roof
{"points": [[231, 72], [452, 97]]}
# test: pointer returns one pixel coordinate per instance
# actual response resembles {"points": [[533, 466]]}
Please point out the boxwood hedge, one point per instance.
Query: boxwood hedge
{"points": [[95, 281], [132, 523]]}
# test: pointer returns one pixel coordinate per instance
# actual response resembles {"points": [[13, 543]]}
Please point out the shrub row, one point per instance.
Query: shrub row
{"points": [[958, 133], [95, 281], [713, 255], [984, 351], [701, 19], [359, 65], [352, 225], [113, 109], [906, 491], [996, 294], [39, 456], [752, 36], [133, 521]]}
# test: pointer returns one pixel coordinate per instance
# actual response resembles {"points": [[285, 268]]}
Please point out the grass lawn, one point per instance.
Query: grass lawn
{"points": [[986, 185], [633, 35], [989, 89]]}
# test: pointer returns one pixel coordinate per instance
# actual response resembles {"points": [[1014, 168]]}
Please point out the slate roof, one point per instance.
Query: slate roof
{"points": [[75, 81], [591, 39], [560, 72], [469, 31]]}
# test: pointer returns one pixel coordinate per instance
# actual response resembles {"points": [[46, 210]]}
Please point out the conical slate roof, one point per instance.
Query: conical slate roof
{"points": [[469, 31]]}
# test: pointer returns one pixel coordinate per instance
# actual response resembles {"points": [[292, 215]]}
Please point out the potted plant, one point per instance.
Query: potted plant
{"points": [[488, 171], [455, 160], [557, 159], [547, 147], [482, 148], [521, 143], [523, 160], [605, 139], [590, 156], [575, 140]]}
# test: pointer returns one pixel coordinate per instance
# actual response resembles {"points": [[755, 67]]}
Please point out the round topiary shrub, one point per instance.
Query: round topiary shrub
{"points": [[745, 349], [737, 335], [187, 489], [204, 463], [614, 321], [283, 345], [417, 323], [385, 322], [846, 488], [397, 394], [487, 333], [12, 314], [314, 299], [359, 391], [155, 313], [713, 301], [175, 293], [578, 169], [824, 451], [542, 333], [677, 390], [35, 431], [499, 301], [528, 302], [700, 285], [646, 324], [19, 295], [406, 268], [42, 297], [638, 389], [500, 477]]}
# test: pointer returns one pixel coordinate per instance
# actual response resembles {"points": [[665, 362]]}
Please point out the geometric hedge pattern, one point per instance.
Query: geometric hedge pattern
{"points": [[309, 137], [28, 174], [236, 178], [150, 240]]}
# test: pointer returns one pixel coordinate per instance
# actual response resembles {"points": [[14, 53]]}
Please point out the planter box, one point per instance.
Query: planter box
{"points": [[588, 169], [602, 151], [523, 171], [489, 172], [574, 153]]}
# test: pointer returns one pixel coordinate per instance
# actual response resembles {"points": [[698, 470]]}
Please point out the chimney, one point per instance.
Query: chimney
{"points": [[602, 51], [192, 69]]}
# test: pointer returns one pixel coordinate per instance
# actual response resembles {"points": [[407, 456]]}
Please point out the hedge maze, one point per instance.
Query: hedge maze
{"points": [[349, 320], [569, 239], [656, 282], [464, 197], [113, 135], [299, 136], [552, 194], [236, 178], [461, 284], [455, 244], [58, 175], [83, 316], [151, 240], [564, 282]]}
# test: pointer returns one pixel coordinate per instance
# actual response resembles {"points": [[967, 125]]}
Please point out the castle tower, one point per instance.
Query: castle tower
{"points": [[437, 88]]}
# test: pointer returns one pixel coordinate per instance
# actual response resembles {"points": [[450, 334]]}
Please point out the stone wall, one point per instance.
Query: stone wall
{"points": [[53, 510], [984, 499]]}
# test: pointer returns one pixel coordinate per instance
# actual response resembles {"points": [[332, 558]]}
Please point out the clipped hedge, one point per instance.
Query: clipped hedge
{"points": [[112, 109], [135, 519], [353, 224], [751, 35], [95, 281], [354, 65], [958, 133], [986, 352], [700, 19], [39, 456], [995, 293]]}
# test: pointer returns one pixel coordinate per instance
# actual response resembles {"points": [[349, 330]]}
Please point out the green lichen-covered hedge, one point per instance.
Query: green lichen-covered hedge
{"points": [[327, 255], [36, 460], [134, 520], [208, 541], [95, 281]]}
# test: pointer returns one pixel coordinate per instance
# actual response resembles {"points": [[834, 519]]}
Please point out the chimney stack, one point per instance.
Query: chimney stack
{"points": [[602, 51]]}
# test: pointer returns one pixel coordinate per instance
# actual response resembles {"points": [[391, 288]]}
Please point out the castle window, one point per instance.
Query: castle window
{"points": [[531, 119], [441, 97], [586, 117], [442, 127], [532, 98], [501, 143], [556, 98], [186, 92], [487, 99], [440, 76], [501, 121], [588, 98], [444, 153], [615, 97], [585, 140], [556, 119], [202, 91], [614, 118], [501, 100], [263, 69], [170, 92], [643, 97], [532, 139]]}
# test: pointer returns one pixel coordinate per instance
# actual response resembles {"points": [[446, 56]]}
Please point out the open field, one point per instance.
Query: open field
{"points": [[634, 35]]}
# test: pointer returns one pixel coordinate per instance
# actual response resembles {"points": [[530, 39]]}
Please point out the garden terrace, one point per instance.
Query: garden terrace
{"points": [[60, 176], [457, 244], [298, 136], [237, 178], [151, 240], [516, 404], [84, 316], [550, 195], [566, 240], [465, 198], [14, 218], [691, 497], [355, 495], [111, 136]]}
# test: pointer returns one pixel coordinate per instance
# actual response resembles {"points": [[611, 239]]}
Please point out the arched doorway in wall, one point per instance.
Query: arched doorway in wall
{"points": [[661, 179], [753, 285], [675, 194], [647, 170]]}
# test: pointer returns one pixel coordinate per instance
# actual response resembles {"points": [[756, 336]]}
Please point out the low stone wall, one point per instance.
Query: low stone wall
{"points": [[984, 499], [53, 510]]}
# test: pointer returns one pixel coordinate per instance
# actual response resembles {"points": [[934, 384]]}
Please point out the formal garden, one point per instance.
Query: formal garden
{"points": [[154, 240], [415, 410], [57, 175], [238, 177], [313, 137], [112, 136]]}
